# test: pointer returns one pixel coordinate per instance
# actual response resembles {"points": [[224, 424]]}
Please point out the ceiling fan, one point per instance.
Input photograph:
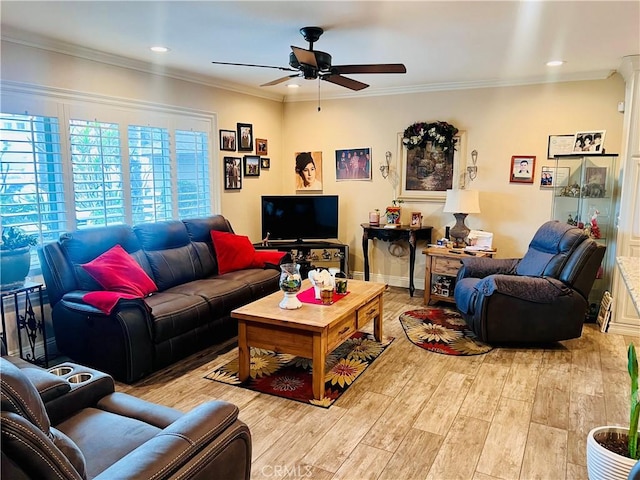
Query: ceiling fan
{"points": [[313, 64]]}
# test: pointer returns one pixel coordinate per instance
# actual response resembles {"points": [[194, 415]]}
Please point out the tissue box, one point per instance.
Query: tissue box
{"points": [[480, 240]]}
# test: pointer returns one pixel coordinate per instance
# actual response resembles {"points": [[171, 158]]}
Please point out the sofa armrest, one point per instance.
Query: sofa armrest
{"points": [[531, 289], [208, 442], [119, 343], [49, 386], [129, 406], [87, 387], [480, 267]]}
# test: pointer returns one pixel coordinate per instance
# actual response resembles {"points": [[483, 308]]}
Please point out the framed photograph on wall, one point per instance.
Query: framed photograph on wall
{"points": [[261, 147], [554, 177], [589, 142], [560, 145], [266, 162], [308, 168], [245, 137], [522, 168], [228, 140], [232, 173], [251, 166], [426, 175], [353, 164], [546, 177]]}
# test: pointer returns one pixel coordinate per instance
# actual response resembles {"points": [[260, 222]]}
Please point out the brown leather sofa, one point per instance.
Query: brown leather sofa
{"points": [[75, 426], [190, 311]]}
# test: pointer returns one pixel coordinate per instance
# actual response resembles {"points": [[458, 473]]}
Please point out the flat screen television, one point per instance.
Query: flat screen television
{"points": [[300, 217]]}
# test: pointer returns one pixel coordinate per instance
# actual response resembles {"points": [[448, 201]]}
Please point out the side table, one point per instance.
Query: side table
{"points": [[28, 321], [412, 234], [441, 268]]}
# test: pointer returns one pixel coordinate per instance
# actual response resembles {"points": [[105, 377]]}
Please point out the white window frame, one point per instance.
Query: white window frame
{"points": [[26, 99]]}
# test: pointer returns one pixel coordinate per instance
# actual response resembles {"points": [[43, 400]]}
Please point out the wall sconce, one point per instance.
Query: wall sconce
{"points": [[472, 170], [384, 167]]}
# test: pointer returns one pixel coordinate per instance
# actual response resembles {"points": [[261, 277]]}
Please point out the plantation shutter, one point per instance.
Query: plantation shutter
{"points": [[97, 173], [192, 166], [150, 174]]}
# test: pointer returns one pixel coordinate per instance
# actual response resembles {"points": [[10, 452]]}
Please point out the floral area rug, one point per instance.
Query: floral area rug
{"points": [[441, 330], [288, 376]]}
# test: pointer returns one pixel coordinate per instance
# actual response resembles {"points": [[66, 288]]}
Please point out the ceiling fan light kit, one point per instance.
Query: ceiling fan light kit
{"points": [[313, 64]]}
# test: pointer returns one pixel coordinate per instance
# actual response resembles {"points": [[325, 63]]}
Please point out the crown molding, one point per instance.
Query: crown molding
{"points": [[47, 44], [44, 43], [449, 86]]}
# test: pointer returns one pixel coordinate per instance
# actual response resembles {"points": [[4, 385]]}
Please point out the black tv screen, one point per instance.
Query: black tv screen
{"points": [[300, 217]]}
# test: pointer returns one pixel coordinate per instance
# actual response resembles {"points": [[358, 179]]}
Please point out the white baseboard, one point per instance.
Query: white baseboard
{"points": [[393, 281], [623, 329]]}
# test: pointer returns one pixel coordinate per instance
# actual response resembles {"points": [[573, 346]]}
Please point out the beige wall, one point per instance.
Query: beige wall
{"points": [[499, 123]]}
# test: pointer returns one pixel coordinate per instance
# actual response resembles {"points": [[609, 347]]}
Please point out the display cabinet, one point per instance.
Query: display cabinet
{"points": [[585, 194]]}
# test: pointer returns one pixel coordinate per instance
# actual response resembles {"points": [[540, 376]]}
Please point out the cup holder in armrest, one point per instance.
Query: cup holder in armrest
{"points": [[80, 378], [60, 371]]}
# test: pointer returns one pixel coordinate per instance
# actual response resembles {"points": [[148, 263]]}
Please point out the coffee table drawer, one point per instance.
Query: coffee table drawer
{"points": [[342, 330], [368, 312]]}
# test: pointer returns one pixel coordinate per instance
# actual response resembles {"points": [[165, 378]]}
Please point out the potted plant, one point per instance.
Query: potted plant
{"points": [[15, 257], [612, 451], [393, 212]]}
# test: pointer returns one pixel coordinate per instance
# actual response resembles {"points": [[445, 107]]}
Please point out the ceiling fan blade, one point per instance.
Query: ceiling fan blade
{"points": [[253, 65], [371, 68], [305, 57], [279, 80], [345, 82]]}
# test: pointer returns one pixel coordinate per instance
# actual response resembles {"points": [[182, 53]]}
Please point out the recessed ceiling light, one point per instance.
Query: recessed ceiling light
{"points": [[293, 85], [159, 49], [555, 63]]}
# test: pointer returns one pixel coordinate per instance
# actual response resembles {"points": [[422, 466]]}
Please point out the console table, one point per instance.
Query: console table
{"points": [[305, 252], [412, 234], [28, 321]]}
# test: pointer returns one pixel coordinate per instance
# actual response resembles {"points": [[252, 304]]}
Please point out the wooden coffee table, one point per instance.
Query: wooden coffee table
{"points": [[312, 331]]}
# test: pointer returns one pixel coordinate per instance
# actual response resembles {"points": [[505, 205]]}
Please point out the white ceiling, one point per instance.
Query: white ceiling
{"points": [[444, 45]]}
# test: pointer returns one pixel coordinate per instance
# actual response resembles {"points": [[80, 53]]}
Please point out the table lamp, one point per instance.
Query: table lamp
{"points": [[461, 203]]}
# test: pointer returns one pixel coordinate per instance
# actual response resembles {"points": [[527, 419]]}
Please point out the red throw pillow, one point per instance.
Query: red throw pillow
{"points": [[262, 257], [234, 252], [116, 271]]}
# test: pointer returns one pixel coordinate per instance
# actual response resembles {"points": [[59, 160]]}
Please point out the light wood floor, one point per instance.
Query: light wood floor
{"points": [[514, 413]]}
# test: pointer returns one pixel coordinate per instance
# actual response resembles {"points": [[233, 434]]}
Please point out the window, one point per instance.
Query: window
{"points": [[150, 174], [107, 166], [193, 179], [32, 192], [97, 173]]}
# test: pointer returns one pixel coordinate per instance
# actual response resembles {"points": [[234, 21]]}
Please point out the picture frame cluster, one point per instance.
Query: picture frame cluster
{"points": [[236, 168]]}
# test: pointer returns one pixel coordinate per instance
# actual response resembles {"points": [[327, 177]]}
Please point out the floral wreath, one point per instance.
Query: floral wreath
{"points": [[440, 134]]}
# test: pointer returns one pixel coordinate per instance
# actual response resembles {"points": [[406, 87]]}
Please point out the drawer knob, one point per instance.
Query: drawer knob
{"points": [[344, 330]]}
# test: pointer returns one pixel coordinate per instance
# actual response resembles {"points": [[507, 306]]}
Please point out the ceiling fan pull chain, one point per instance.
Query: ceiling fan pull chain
{"points": [[319, 94]]}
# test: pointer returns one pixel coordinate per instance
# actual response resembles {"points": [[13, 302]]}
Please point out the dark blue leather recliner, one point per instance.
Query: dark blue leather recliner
{"points": [[541, 297]]}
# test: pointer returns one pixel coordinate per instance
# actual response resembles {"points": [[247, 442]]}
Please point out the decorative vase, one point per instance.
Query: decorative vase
{"points": [[290, 283], [14, 267], [603, 464], [393, 215]]}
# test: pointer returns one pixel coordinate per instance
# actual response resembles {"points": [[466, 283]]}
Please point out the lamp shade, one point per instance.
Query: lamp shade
{"points": [[462, 201]]}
